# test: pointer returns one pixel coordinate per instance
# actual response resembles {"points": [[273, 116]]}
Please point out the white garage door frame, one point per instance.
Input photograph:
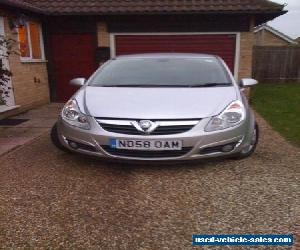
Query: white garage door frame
{"points": [[237, 45]]}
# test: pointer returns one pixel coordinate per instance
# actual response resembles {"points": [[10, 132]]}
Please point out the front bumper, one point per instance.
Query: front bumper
{"points": [[197, 144]]}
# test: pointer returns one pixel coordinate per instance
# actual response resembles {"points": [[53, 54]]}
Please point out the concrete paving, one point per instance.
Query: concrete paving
{"points": [[50, 199], [40, 121]]}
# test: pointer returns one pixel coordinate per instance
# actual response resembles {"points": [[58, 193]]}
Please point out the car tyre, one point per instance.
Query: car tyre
{"points": [[55, 140], [248, 152]]}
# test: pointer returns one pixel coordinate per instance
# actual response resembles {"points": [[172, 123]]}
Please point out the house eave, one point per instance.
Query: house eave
{"points": [[271, 14], [263, 14], [22, 6]]}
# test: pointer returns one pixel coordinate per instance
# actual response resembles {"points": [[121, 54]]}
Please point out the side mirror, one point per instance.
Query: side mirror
{"points": [[78, 82], [247, 82]]}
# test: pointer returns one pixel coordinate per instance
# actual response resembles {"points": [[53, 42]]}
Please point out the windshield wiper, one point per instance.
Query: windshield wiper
{"points": [[119, 85], [203, 85], [147, 85], [210, 85]]}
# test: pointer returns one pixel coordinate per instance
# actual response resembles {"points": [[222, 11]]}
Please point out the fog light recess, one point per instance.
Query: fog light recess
{"points": [[73, 145], [220, 148], [228, 148]]}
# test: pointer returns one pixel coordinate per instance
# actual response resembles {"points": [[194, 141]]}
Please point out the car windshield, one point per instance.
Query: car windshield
{"points": [[164, 72]]}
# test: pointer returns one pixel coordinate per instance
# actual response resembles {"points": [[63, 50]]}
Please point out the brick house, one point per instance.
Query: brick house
{"points": [[30, 76], [266, 35], [60, 39]]}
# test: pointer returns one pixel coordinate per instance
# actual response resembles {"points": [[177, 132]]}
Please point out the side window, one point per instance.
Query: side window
{"points": [[31, 41]]}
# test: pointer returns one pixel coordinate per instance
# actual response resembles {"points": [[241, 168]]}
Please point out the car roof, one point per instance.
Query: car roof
{"points": [[166, 55]]}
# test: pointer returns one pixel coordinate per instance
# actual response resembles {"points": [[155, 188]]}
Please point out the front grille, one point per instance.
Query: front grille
{"points": [[131, 130], [146, 154], [121, 129], [131, 127], [171, 130]]}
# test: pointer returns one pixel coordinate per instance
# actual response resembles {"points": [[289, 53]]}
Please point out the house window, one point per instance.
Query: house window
{"points": [[31, 41]]}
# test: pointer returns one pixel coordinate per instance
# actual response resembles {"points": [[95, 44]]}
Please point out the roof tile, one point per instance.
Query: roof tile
{"points": [[98, 7]]}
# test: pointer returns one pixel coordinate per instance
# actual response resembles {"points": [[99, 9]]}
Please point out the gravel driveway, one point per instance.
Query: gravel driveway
{"points": [[49, 199]]}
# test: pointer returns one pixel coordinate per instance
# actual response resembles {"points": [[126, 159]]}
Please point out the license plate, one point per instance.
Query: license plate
{"points": [[149, 145]]}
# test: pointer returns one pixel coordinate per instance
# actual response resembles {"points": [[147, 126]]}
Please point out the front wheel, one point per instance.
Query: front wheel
{"points": [[248, 151], [55, 140]]}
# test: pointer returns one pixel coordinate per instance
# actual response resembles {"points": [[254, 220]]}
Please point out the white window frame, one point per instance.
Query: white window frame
{"points": [[30, 59], [237, 45]]}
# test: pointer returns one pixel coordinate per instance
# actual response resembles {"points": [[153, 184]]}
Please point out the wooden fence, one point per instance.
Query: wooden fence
{"points": [[276, 64]]}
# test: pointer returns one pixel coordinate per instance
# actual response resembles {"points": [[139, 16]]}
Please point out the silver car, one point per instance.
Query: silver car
{"points": [[162, 107]]}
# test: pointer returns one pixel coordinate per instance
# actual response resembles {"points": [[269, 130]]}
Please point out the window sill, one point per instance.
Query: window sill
{"points": [[33, 61], [4, 108]]}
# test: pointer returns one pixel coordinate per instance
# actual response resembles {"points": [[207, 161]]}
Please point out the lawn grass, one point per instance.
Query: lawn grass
{"points": [[279, 104]]}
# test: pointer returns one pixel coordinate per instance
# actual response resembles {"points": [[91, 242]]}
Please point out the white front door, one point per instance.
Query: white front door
{"points": [[10, 100]]}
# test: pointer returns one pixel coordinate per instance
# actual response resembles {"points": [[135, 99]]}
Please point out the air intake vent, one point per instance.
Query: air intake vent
{"points": [[146, 154]]}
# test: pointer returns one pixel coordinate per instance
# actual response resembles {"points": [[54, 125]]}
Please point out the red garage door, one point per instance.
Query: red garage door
{"points": [[221, 45]]}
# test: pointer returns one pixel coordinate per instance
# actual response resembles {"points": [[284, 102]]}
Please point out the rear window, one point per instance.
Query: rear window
{"points": [[162, 71]]}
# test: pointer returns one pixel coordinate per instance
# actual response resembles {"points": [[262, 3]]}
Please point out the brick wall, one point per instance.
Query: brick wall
{"points": [[266, 38], [29, 81], [246, 53], [103, 35]]}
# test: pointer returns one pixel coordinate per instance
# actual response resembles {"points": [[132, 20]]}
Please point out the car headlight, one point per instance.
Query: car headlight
{"points": [[233, 115], [72, 115]]}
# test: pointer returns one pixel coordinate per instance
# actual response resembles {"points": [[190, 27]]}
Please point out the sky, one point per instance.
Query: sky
{"points": [[289, 23]]}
